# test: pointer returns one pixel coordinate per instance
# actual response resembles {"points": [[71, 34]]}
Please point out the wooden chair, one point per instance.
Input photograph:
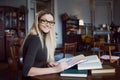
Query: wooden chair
{"points": [[87, 40], [12, 63], [107, 54], [14, 58], [96, 47], [117, 51], [70, 48]]}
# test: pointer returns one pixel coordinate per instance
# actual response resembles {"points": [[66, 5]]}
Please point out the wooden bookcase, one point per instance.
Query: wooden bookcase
{"points": [[12, 24], [70, 28]]}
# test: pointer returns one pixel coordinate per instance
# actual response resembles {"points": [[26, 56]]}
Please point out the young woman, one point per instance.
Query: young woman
{"points": [[38, 47]]}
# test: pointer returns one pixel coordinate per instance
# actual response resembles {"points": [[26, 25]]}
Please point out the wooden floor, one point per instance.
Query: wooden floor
{"points": [[4, 70]]}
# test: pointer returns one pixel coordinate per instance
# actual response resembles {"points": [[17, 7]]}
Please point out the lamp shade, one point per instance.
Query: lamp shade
{"points": [[81, 22]]}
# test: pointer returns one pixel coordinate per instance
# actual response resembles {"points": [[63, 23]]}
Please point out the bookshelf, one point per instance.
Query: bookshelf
{"points": [[70, 28], [12, 24]]}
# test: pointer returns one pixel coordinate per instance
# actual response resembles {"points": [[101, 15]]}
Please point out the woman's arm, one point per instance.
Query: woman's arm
{"points": [[42, 71], [29, 69], [30, 49]]}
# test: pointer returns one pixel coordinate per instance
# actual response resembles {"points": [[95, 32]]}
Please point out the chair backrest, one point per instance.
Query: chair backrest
{"points": [[12, 59], [111, 48], [96, 44], [117, 50], [108, 48], [88, 39], [14, 56], [70, 48], [96, 47]]}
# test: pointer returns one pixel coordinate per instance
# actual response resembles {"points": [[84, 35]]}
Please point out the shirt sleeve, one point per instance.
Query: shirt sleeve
{"points": [[31, 48]]}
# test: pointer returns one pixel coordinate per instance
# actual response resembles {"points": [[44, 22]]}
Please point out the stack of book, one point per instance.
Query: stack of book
{"points": [[84, 63], [76, 60], [72, 71]]}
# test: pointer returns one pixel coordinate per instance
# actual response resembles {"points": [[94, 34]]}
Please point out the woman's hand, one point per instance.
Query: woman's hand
{"points": [[61, 66], [51, 64]]}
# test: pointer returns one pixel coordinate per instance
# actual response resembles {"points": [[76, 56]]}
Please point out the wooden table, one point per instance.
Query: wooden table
{"points": [[115, 76]]}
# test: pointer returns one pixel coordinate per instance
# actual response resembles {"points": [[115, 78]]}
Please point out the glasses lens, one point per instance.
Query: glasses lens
{"points": [[46, 22], [51, 23]]}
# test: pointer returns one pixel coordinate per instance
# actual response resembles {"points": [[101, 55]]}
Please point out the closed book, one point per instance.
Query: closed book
{"points": [[74, 73], [103, 74], [105, 69]]}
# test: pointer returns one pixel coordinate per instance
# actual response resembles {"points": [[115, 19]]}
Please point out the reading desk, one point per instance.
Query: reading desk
{"points": [[115, 76]]}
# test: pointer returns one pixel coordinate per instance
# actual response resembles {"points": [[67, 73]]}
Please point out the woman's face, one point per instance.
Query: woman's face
{"points": [[46, 22]]}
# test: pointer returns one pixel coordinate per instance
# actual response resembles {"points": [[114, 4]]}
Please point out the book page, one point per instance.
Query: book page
{"points": [[72, 61], [87, 66], [93, 62], [92, 58]]}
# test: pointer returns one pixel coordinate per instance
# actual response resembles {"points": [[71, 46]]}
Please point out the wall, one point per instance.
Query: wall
{"points": [[14, 3], [103, 13], [117, 12], [80, 8]]}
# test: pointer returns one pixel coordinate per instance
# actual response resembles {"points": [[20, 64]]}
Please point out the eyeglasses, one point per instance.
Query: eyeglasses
{"points": [[51, 23]]}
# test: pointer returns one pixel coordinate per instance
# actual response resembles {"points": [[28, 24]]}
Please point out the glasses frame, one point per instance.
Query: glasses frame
{"points": [[46, 22]]}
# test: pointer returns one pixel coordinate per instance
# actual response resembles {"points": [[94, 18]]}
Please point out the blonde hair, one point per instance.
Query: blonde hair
{"points": [[50, 38]]}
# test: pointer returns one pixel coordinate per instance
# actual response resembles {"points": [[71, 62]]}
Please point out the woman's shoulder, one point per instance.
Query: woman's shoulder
{"points": [[33, 38]]}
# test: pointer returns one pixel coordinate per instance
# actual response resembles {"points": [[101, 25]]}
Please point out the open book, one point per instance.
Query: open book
{"points": [[93, 62], [72, 60]]}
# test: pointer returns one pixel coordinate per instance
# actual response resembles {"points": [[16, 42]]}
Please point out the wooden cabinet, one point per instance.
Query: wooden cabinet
{"points": [[2, 38], [12, 24], [70, 30]]}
